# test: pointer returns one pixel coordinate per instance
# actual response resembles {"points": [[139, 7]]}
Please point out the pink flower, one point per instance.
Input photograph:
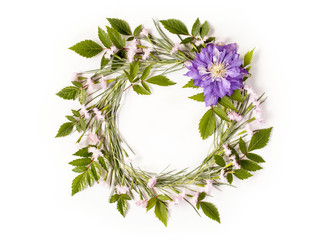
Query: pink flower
{"points": [[145, 32], [142, 203], [208, 185], [227, 150], [90, 84], [122, 189], [93, 139], [175, 48], [98, 114], [222, 176], [179, 197], [96, 152], [132, 50], [200, 42], [248, 129], [147, 52], [194, 199], [250, 91], [110, 51], [103, 82], [234, 116], [258, 114], [84, 112], [236, 165], [151, 183]]}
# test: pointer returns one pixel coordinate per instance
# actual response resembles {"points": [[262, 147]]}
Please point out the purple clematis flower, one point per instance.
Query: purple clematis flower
{"points": [[218, 70]]}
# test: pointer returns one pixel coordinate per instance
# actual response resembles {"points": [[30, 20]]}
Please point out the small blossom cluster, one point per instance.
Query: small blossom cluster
{"points": [[257, 108]]}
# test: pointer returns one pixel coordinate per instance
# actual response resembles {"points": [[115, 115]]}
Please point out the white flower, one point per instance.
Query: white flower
{"points": [[142, 203], [222, 176], [90, 84], [200, 42], [208, 185], [151, 183], [236, 165], [110, 51], [227, 150], [84, 112], [234, 116], [96, 152], [122, 189], [194, 199], [103, 82], [132, 50], [145, 32], [175, 48], [147, 52], [98, 114], [179, 197], [93, 139]]}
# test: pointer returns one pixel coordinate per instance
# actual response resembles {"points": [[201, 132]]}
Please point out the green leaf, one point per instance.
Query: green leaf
{"points": [[82, 124], [122, 206], [187, 40], [65, 129], [125, 196], [82, 96], [198, 97], [76, 113], [236, 95], [79, 183], [146, 72], [151, 203], [138, 30], [79, 169], [259, 139], [161, 212], [104, 38], [103, 163], [163, 197], [140, 90], [160, 80], [120, 25], [249, 165], [116, 38], [242, 174], [221, 113], [207, 124], [201, 196], [205, 28], [190, 84], [69, 93], [134, 68], [255, 157], [196, 28], [77, 84], [229, 178], [114, 198], [242, 146], [87, 48], [95, 171], [147, 88], [83, 152], [175, 26], [71, 118], [210, 39], [226, 102], [248, 57], [210, 210], [104, 62], [219, 160], [80, 162]]}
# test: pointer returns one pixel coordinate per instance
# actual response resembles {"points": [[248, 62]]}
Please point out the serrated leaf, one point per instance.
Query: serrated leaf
{"points": [[219, 160], [82, 96], [259, 139], [187, 40], [242, 174], [79, 183], [65, 129], [79, 169], [201, 196], [229, 178], [175, 26], [77, 84], [207, 124], [161, 212], [151, 203], [205, 28], [196, 28], [226, 102], [249, 165], [122, 206], [82, 124], [242, 146], [104, 38], [140, 90], [120, 25], [76, 113], [116, 38], [210, 210], [134, 68], [190, 84], [221, 113], [255, 157], [198, 97], [83, 152], [103, 163], [87, 48], [104, 62], [146, 72], [138, 30], [114, 198], [71, 118], [163, 197], [80, 162], [95, 172], [160, 80], [147, 88], [248, 57], [236, 95], [125, 196], [68, 93]]}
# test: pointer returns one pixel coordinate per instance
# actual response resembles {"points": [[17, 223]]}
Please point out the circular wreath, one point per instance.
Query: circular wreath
{"points": [[136, 61]]}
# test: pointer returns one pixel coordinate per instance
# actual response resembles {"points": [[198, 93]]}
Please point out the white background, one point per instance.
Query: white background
{"points": [[292, 198]]}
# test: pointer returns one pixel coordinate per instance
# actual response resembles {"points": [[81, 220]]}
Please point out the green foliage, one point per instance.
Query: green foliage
{"points": [[76, 113], [190, 84], [259, 139], [114, 198], [81, 162], [175, 26], [71, 118], [79, 169], [242, 146], [187, 40], [103, 163], [134, 68], [69, 93], [122, 206], [249, 165], [226, 102], [205, 28], [87, 48], [104, 62], [147, 88], [201, 196], [140, 90], [161, 212], [229, 178], [138, 30], [160, 80], [219, 160], [255, 157], [83, 152], [146, 72], [221, 113], [77, 84], [151, 203], [236, 95], [120, 25], [79, 183], [116, 38], [210, 210], [242, 174], [198, 97], [248, 57], [207, 124], [82, 96], [196, 28], [104, 38], [65, 129]]}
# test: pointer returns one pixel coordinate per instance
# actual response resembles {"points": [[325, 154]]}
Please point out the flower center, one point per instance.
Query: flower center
{"points": [[218, 70]]}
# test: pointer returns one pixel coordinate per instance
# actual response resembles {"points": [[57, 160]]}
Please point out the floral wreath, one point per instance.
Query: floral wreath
{"points": [[136, 60]]}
